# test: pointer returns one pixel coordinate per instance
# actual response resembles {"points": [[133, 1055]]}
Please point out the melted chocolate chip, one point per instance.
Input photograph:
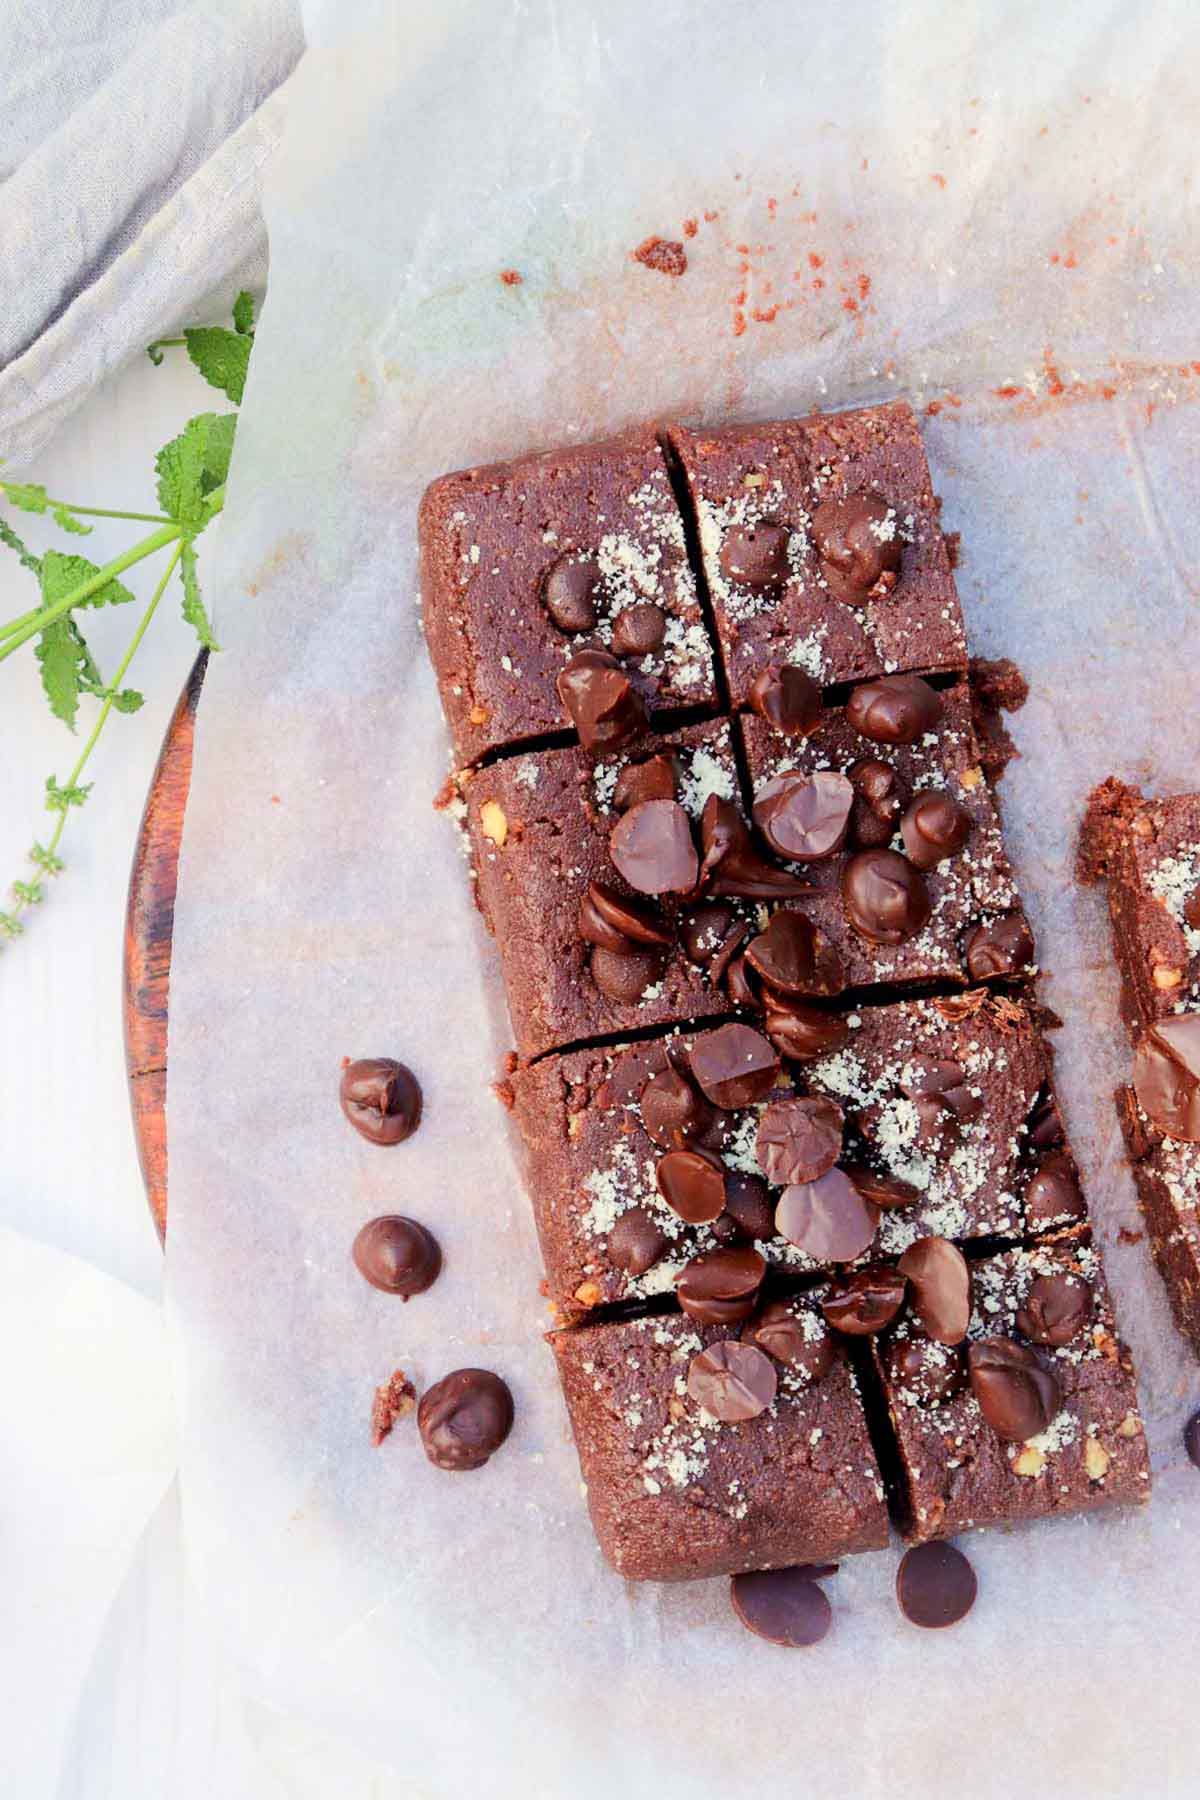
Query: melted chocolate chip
{"points": [[784, 955], [877, 799], [692, 1182], [785, 1606], [930, 1371], [827, 1218], [732, 1381], [805, 818], [617, 922], [945, 1081], [941, 1288], [885, 1191], [1017, 1395], [657, 778], [787, 698], [651, 846], [569, 590], [1044, 1125], [1000, 949], [636, 1242], [734, 1066], [739, 984], [802, 1033], [857, 546], [886, 899], [704, 929], [639, 629], [624, 975], [397, 1255], [600, 700], [895, 709], [799, 1139], [795, 1334], [464, 1419], [1053, 1196], [748, 1210], [756, 556], [934, 828], [733, 864], [721, 1287], [1056, 1309], [381, 1098], [935, 1585], [673, 1113], [865, 1302], [1166, 1076]]}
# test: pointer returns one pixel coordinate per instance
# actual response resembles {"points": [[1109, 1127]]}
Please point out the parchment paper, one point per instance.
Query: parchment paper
{"points": [[1002, 218]]}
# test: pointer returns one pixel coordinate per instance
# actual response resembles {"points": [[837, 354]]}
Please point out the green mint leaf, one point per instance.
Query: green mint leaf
{"points": [[89, 675], [46, 860], [27, 496], [194, 610], [10, 925], [192, 465], [218, 451], [58, 656], [126, 700], [243, 314], [24, 555], [221, 356], [62, 574], [58, 799], [65, 519], [29, 893]]}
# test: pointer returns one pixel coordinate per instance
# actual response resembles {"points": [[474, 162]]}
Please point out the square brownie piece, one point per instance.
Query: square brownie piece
{"points": [[821, 546], [539, 827], [1167, 1172], [525, 563], [1051, 1303], [609, 1234], [676, 1494], [974, 927]]}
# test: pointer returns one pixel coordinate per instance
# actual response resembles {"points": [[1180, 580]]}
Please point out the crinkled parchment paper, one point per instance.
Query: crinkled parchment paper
{"points": [[924, 199]]}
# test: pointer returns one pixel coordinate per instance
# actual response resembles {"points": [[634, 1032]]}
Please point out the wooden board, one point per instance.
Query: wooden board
{"points": [[149, 922]]}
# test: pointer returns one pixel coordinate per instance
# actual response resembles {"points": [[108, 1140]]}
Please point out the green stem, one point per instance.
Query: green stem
{"points": [[16, 624], [21, 633], [99, 512]]}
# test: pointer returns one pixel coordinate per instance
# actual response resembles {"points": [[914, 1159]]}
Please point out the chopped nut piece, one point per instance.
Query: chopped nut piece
{"points": [[493, 823], [479, 715], [1030, 1461], [1130, 1426], [970, 778], [1096, 1459], [1167, 976], [588, 1293]]}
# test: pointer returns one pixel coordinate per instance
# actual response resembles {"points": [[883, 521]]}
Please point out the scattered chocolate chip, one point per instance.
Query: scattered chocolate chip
{"points": [[721, 1287], [756, 556], [393, 1400], [596, 928], [802, 1033], [1003, 948], [941, 1288], [739, 984], [805, 818], [636, 1242], [631, 920], [381, 1098], [935, 1585], [785, 1606], [651, 846], [732, 1381], [748, 1206], [600, 700], [1056, 1310], [692, 1182], [569, 590], [639, 629], [397, 1255], [931, 1371], [1166, 1076], [934, 827], [1017, 1395], [857, 546], [733, 864], [624, 975], [657, 778], [799, 1139], [937, 1127], [827, 1218], [464, 1418], [704, 929], [795, 1334], [877, 799], [895, 709], [784, 955], [885, 1191], [787, 698], [734, 1065], [945, 1081], [1054, 1193], [864, 1302], [1191, 1438], [886, 899], [673, 1113], [1044, 1125]]}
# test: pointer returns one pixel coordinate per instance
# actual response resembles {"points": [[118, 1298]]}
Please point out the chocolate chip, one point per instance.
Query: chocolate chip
{"points": [[732, 1381], [381, 1098], [735, 867], [748, 1208], [799, 1139], [1166, 1076], [1044, 1125], [934, 827], [941, 1288], [886, 899], [864, 1302], [692, 1182], [937, 1127], [569, 590], [857, 546], [673, 1113], [739, 984], [632, 920], [885, 1191], [805, 818], [795, 1334], [782, 1605], [727, 952], [704, 929], [657, 778], [802, 1033], [1191, 1438], [1017, 1395], [651, 846], [600, 700], [1054, 1195], [935, 1585], [895, 709], [636, 1242], [756, 556], [1056, 1309], [931, 1371], [734, 1065], [464, 1418], [639, 629], [877, 799], [827, 1218], [945, 1081], [624, 975], [1003, 948], [787, 698], [721, 1287], [784, 955], [397, 1255]]}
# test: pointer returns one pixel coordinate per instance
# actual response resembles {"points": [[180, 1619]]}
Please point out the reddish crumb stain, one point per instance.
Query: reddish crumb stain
{"points": [[690, 227], [1006, 393], [818, 284], [511, 277], [772, 205], [815, 261], [850, 304], [503, 1091], [662, 254], [1070, 261], [275, 800], [864, 286], [939, 180], [1054, 382], [739, 323], [934, 408], [764, 315], [709, 217], [345, 1062]]}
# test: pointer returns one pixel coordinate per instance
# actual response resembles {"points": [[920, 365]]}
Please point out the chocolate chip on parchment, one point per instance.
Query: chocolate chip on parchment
{"points": [[397, 1255], [381, 1098], [935, 1585], [464, 1418], [785, 1606]]}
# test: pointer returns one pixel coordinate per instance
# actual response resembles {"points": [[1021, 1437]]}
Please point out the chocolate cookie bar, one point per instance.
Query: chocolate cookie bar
{"points": [[705, 1454], [930, 1117], [526, 563], [884, 807], [1167, 1172], [821, 546], [1036, 1414]]}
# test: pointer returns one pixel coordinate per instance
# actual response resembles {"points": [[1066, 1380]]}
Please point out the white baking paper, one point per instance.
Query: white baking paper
{"points": [[1001, 214]]}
